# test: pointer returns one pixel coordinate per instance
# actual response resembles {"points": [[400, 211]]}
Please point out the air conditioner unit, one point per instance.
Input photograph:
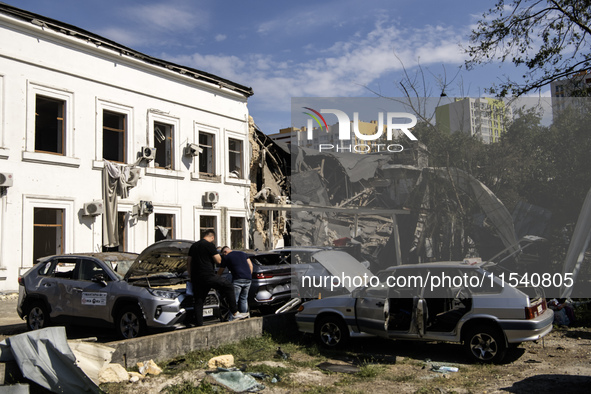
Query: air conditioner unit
{"points": [[146, 208], [192, 150], [5, 179], [93, 208], [211, 197], [148, 153]]}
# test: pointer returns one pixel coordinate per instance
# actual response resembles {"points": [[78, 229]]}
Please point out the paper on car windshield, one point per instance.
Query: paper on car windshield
{"points": [[94, 298]]}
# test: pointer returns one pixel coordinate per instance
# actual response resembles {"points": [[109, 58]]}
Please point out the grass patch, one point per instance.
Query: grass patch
{"points": [[401, 378], [244, 352], [368, 371], [190, 388]]}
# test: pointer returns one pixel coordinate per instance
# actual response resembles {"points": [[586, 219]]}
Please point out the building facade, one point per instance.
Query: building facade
{"points": [[481, 117], [573, 91], [74, 105]]}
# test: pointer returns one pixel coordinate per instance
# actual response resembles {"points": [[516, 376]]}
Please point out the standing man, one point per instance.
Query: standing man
{"points": [[203, 256], [241, 268]]}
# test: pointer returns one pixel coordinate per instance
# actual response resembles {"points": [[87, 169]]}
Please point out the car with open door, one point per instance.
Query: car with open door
{"points": [[87, 289], [463, 302]]}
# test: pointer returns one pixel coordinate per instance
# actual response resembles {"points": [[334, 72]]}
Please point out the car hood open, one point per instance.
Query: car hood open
{"points": [[167, 257], [340, 263]]}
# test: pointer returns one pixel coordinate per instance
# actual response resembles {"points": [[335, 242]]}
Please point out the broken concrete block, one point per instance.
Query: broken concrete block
{"points": [[135, 377], [225, 361], [149, 367], [113, 373]]}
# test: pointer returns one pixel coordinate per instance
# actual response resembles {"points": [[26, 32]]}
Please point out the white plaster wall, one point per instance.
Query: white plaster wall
{"points": [[91, 77]]}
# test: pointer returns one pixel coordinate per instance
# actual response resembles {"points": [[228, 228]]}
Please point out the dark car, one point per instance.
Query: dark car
{"points": [[85, 288], [271, 280]]}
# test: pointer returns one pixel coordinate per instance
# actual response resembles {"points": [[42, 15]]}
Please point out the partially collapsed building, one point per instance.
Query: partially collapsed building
{"points": [[389, 208]]}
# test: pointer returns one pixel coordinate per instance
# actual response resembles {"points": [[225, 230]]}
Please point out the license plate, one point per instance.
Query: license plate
{"points": [[208, 312], [540, 309]]}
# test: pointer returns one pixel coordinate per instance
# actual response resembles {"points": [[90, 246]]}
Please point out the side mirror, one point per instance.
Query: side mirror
{"points": [[100, 278]]}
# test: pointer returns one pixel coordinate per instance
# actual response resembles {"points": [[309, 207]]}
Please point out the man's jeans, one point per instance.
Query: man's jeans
{"points": [[241, 288]]}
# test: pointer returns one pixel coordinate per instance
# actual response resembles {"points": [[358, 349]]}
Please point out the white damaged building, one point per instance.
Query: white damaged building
{"points": [[105, 148]]}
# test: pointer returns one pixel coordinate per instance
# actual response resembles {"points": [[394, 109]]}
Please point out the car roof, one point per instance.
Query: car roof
{"points": [[437, 264], [104, 256]]}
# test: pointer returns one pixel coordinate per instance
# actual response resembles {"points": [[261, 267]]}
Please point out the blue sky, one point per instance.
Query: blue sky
{"points": [[341, 48]]}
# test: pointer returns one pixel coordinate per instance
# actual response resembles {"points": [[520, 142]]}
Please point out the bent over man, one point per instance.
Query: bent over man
{"points": [[203, 257]]}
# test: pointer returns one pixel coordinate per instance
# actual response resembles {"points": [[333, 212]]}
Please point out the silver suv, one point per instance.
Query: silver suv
{"points": [[89, 289]]}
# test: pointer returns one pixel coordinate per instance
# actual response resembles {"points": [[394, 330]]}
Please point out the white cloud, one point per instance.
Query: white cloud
{"points": [[169, 16], [220, 37], [343, 69]]}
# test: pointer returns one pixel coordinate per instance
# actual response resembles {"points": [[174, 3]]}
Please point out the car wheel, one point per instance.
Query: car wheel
{"points": [[485, 344], [37, 316], [130, 323], [224, 310], [332, 332]]}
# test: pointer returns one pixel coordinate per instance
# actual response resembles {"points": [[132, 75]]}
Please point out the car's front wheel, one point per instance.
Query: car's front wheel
{"points": [[37, 316], [332, 332], [485, 344], [130, 322]]}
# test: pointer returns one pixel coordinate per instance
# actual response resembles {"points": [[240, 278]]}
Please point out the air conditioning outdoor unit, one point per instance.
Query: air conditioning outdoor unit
{"points": [[93, 208], [146, 208], [148, 153], [5, 179], [211, 197], [192, 150]]}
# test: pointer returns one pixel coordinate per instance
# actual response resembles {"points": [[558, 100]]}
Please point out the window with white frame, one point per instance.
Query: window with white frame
{"points": [[1, 112], [48, 232], [164, 223], [207, 222], [236, 232], [49, 125], [235, 158], [164, 143], [114, 136], [122, 227], [207, 154]]}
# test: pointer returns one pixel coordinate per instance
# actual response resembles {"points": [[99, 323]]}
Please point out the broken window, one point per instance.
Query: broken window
{"points": [[163, 142], [235, 157], [49, 125], [164, 226], [207, 155], [122, 225], [48, 232], [114, 138], [88, 269], [206, 223], [236, 232]]}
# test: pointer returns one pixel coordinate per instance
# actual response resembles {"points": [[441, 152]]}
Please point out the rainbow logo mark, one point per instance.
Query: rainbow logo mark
{"points": [[316, 116]]}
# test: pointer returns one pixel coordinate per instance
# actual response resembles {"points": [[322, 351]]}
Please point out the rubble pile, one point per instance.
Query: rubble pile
{"points": [[393, 206]]}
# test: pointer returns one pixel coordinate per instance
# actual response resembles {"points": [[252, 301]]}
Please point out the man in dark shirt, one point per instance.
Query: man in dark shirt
{"points": [[241, 268], [203, 256]]}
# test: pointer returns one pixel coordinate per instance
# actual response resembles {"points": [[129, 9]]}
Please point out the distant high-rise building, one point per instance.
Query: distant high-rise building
{"points": [[566, 92], [481, 117]]}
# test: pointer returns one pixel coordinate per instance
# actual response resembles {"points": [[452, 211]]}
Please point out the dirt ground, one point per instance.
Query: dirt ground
{"points": [[561, 362]]}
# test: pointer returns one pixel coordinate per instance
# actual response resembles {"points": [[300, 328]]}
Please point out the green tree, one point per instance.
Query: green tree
{"points": [[551, 38]]}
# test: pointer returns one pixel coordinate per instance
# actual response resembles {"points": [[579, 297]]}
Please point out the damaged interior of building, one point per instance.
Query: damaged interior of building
{"points": [[388, 208]]}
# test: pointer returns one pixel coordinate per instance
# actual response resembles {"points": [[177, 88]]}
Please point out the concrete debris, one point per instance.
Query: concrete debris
{"points": [[149, 367], [393, 207], [225, 361], [113, 373], [135, 377]]}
